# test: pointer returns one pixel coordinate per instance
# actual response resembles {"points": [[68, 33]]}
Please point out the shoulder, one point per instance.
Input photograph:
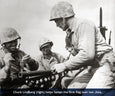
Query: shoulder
{"points": [[58, 55], [81, 25], [80, 22], [85, 21], [39, 57]]}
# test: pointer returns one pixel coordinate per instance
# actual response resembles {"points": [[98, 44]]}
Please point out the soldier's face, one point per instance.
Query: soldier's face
{"points": [[11, 46], [46, 50], [61, 23]]}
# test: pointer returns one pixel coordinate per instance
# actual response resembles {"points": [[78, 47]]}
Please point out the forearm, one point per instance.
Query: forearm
{"points": [[3, 74], [81, 59]]}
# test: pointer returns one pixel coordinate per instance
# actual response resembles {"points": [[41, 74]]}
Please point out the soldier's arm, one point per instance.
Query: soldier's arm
{"points": [[3, 72], [86, 50]]}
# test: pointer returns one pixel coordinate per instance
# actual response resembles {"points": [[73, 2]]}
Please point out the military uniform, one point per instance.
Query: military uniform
{"points": [[81, 32], [5, 78], [11, 62], [48, 58], [45, 64], [88, 44]]}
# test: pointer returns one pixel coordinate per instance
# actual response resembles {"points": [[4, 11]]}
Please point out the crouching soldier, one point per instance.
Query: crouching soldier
{"points": [[12, 59], [79, 32], [48, 58]]}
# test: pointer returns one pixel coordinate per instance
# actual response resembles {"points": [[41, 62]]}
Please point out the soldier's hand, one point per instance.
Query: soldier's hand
{"points": [[58, 68], [7, 58]]}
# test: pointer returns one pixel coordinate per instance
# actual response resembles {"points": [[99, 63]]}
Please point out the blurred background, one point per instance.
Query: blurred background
{"points": [[31, 19]]}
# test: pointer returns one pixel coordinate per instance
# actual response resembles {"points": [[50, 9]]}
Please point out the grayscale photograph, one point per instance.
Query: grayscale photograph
{"points": [[57, 47]]}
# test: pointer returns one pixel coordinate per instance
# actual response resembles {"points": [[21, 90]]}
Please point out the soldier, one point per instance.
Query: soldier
{"points": [[48, 58], [88, 45], [12, 59]]}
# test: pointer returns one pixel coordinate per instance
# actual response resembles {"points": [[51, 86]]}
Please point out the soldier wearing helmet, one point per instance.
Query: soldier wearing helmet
{"points": [[12, 59], [60, 12], [47, 58], [88, 46]]}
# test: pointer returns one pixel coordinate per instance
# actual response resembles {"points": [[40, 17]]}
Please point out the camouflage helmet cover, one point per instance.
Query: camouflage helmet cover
{"points": [[8, 34], [45, 42], [61, 10]]}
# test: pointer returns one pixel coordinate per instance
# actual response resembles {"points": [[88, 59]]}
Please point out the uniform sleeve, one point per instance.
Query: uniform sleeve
{"points": [[3, 74], [86, 47]]}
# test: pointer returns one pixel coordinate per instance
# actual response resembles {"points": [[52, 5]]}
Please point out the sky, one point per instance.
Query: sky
{"points": [[31, 19]]}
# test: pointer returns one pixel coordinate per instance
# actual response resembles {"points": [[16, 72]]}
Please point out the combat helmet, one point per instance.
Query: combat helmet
{"points": [[61, 10], [8, 34]]}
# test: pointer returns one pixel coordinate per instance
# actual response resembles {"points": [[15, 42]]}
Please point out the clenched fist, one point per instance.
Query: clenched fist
{"points": [[7, 58]]}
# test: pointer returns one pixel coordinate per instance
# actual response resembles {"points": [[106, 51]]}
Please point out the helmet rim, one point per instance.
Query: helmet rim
{"points": [[8, 35], [61, 10]]}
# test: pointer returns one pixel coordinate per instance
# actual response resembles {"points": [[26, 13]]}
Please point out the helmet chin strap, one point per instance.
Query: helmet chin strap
{"points": [[64, 24], [18, 45]]}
